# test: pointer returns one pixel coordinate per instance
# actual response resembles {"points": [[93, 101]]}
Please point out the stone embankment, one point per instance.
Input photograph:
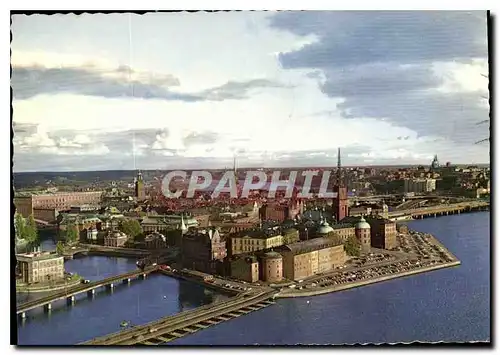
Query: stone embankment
{"points": [[308, 293]]}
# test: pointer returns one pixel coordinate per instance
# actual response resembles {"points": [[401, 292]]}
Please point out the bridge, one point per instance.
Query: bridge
{"points": [[184, 323], [70, 293], [443, 209]]}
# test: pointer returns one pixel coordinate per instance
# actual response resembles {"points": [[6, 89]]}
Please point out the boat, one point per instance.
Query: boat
{"points": [[124, 324]]}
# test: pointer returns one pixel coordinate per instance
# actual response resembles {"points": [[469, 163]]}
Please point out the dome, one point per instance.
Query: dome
{"points": [[362, 224], [325, 228]]}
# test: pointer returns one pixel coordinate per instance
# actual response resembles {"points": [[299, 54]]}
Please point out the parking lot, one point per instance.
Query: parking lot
{"points": [[416, 250]]}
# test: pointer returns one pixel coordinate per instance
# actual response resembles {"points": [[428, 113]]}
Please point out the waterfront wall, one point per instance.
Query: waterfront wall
{"points": [[336, 288]]}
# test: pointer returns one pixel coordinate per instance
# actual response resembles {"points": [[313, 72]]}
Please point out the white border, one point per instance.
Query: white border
{"points": [[186, 4]]}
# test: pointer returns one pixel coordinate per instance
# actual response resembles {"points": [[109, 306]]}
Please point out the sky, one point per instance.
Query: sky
{"points": [[274, 89]]}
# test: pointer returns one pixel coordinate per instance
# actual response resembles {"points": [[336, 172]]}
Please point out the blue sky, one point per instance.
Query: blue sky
{"points": [[192, 90]]}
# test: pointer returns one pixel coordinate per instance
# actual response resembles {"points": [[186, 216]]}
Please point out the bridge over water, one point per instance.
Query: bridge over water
{"points": [[442, 209], [70, 293], [184, 323]]}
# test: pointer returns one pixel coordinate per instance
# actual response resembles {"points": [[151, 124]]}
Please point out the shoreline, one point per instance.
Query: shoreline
{"points": [[336, 288]]}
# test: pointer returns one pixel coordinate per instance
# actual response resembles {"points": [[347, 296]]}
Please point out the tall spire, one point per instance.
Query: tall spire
{"points": [[339, 168], [183, 225], [234, 165]]}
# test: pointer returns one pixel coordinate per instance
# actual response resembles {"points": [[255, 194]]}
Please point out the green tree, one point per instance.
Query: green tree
{"points": [[31, 233], [131, 227], [72, 234], [352, 246], [19, 226], [60, 247]]}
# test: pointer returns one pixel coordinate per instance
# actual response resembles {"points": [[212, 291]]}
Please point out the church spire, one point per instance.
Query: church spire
{"points": [[183, 225], [339, 169]]}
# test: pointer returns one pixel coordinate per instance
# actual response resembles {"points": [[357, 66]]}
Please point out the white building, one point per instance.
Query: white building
{"points": [[420, 185]]}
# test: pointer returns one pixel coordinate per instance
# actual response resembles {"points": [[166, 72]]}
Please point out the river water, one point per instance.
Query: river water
{"points": [[445, 305]]}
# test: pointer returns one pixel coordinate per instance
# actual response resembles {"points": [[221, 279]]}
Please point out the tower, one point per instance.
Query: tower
{"points": [[140, 192], [340, 203]]}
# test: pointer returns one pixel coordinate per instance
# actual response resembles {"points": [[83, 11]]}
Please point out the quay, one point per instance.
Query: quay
{"points": [[184, 323], [440, 210], [337, 288], [70, 293]]}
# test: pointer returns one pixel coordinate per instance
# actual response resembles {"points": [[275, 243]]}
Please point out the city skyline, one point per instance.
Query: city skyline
{"points": [[376, 84]]}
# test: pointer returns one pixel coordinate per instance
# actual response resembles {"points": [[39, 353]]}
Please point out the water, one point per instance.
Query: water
{"points": [[446, 305], [140, 302]]}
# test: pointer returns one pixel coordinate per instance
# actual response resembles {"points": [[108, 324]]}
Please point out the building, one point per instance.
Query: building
{"points": [[139, 188], [61, 201], [363, 234], [271, 267], [307, 258], [115, 239], [155, 241], [244, 267], [203, 250], [162, 223], [419, 185], [40, 267], [383, 231], [254, 240]]}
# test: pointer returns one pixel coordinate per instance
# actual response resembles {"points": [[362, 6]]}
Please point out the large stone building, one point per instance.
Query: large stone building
{"points": [[162, 223], [307, 258], [254, 240], [139, 188], [203, 250], [419, 185], [115, 239], [40, 267], [244, 267], [383, 231], [155, 241], [61, 201]]}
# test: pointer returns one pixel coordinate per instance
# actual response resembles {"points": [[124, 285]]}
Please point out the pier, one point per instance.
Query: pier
{"points": [[185, 323]]}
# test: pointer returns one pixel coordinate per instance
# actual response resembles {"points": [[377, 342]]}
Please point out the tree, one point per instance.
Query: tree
{"points": [[352, 246], [19, 226], [72, 234], [60, 247], [31, 233], [131, 228]]}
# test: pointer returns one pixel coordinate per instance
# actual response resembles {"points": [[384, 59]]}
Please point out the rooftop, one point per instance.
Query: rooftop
{"points": [[30, 257]]}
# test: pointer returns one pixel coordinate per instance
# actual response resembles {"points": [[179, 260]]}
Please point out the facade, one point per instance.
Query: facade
{"points": [[254, 240], [244, 267], [163, 223], [271, 267], [40, 267], [60, 201], [363, 234], [115, 239], [344, 231], [307, 258], [203, 250], [45, 214], [341, 203], [140, 189], [155, 241], [383, 233], [419, 185]]}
